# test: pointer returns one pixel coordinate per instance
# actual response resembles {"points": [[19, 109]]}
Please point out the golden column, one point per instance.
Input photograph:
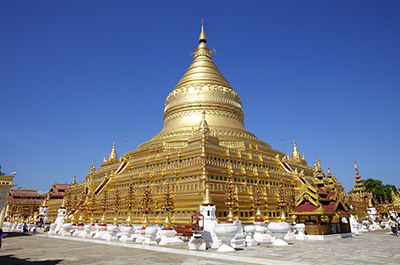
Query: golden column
{"points": [[130, 202], [281, 201], [145, 207], [167, 206], [230, 198]]}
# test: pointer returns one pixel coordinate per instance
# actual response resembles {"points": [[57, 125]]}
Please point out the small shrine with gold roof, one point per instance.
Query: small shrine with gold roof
{"points": [[323, 205]]}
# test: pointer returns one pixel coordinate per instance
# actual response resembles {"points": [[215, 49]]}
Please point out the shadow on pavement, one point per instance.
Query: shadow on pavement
{"points": [[11, 260], [14, 234]]}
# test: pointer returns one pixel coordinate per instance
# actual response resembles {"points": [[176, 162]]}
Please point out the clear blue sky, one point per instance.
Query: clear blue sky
{"points": [[75, 75]]}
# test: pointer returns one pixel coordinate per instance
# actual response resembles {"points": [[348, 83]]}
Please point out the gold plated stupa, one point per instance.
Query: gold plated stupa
{"points": [[203, 88], [202, 147]]}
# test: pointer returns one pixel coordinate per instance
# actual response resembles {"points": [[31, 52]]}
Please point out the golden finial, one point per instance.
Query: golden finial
{"points": [[63, 203], [206, 198], [202, 37], [319, 164], [113, 154], [74, 180], [45, 202], [355, 166], [295, 153]]}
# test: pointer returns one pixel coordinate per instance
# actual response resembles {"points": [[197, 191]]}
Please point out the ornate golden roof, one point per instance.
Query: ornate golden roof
{"points": [[203, 89]]}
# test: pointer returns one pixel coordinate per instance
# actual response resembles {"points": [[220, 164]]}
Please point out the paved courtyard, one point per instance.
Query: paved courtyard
{"points": [[369, 248]]}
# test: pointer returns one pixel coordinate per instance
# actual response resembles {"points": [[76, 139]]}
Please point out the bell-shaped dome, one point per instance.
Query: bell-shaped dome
{"points": [[203, 89]]}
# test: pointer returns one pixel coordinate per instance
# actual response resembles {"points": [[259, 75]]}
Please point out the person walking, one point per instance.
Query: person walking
{"points": [[393, 225], [1, 236]]}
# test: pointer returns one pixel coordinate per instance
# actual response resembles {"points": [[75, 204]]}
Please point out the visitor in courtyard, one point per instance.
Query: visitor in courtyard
{"points": [[393, 225], [25, 228], [398, 222], [1, 236]]}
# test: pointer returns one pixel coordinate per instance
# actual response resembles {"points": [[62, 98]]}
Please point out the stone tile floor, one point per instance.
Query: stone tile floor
{"points": [[369, 248]]}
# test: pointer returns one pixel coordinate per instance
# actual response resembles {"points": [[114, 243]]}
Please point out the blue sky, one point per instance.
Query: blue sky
{"points": [[75, 75]]}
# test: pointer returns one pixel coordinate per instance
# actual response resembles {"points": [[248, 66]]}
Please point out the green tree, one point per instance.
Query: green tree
{"points": [[379, 190]]}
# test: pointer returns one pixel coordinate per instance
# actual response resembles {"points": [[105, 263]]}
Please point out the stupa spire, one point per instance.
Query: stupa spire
{"points": [[358, 184], [203, 85], [202, 37], [63, 203], [295, 153], [356, 168], [113, 154], [329, 172]]}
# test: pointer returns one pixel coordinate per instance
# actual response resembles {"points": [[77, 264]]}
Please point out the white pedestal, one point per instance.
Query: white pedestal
{"points": [[140, 235], [66, 229], [262, 234], [60, 219], [249, 231], [196, 242], [87, 231], [301, 228], [52, 230], [290, 235], [126, 235], [112, 233], [168, 237], [279, 230], [239, 240], [150, 234], [78, 230], [225, 233], [211, 239], [101, 231]]}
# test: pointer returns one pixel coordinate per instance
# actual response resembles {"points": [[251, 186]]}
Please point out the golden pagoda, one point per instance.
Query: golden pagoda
{"points": [[360, 199], [202, 148]]}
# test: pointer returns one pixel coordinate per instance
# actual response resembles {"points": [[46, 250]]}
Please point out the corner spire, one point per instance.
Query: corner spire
{"points": [[295, 152], [329, 172], [113, 154], [202, 37], [356, 168]]}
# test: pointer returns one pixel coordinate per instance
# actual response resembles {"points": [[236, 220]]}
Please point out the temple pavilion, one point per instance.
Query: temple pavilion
{"points": [[323, 205], [202, 147], [23, 204], [54, 198]]}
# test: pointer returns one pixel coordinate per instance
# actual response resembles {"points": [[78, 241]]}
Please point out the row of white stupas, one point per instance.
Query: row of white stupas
{"points": [[207, 233]]}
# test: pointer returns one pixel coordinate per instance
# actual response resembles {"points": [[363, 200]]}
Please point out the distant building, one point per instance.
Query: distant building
{"points": [[54, 199], [5, 187], [23, 204]]}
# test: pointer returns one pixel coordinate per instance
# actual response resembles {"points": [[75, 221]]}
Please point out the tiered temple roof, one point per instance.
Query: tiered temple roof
{"points": [[322, 202]]}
